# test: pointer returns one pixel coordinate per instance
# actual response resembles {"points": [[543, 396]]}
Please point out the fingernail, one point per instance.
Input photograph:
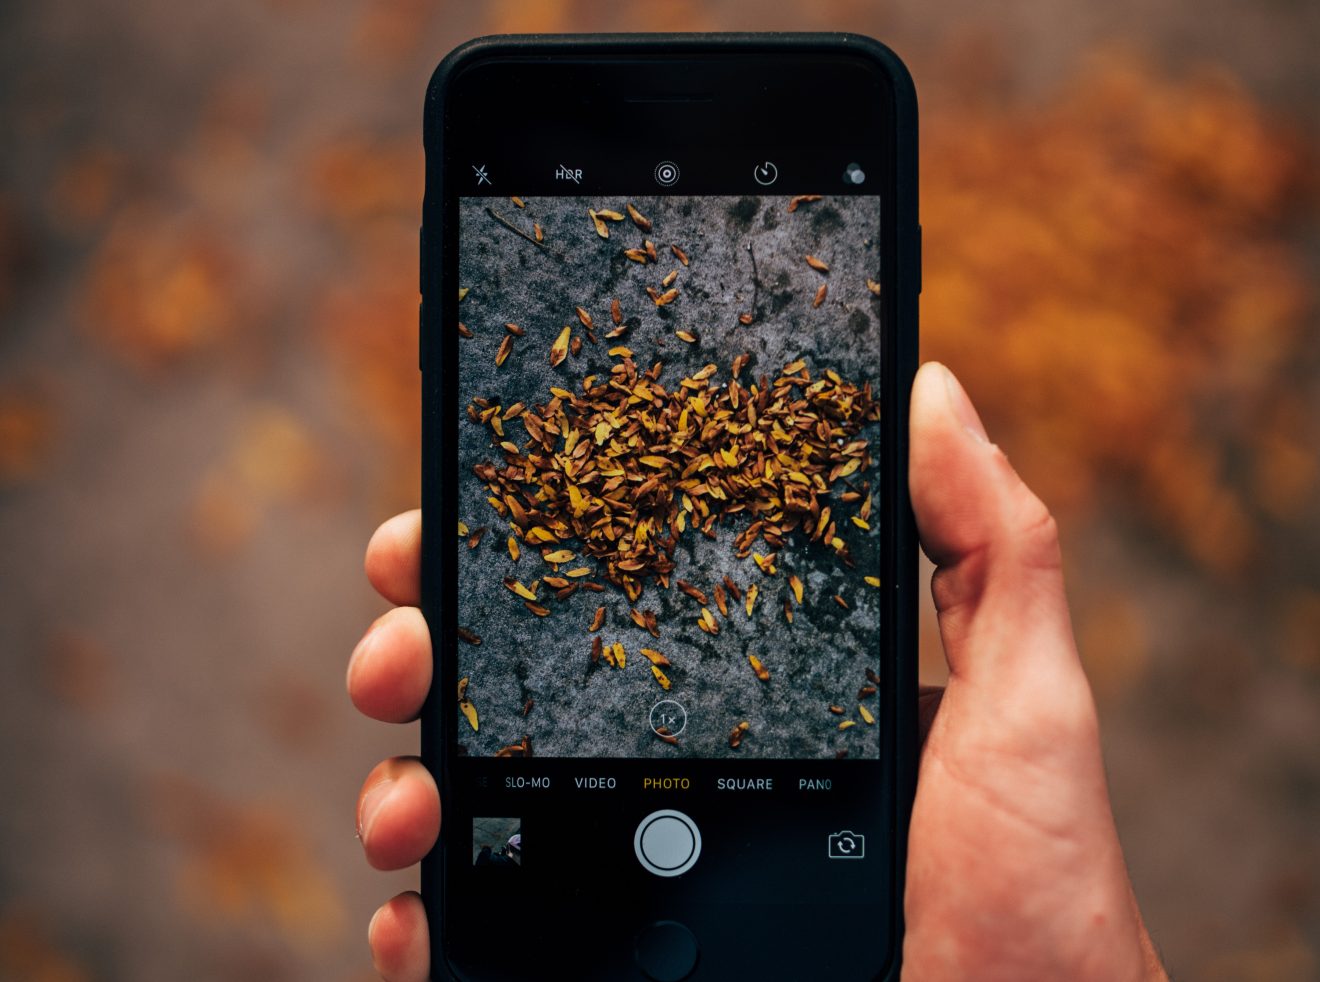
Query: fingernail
{"points": [[362, 647], [371, 802], [371, 924], [962, 408]]}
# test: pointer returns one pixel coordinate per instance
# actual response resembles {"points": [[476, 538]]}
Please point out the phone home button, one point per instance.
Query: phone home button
{"points": [[666, 951]]}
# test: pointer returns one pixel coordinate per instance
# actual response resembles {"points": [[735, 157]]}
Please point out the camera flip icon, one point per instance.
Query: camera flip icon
{"points": [[847, 845]]}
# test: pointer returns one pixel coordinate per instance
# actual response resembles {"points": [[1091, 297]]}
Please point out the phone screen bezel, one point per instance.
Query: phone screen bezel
{"points": [[445, 144]]}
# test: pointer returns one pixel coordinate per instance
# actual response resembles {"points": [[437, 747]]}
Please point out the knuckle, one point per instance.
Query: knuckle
{"points": [[1038, 535]]}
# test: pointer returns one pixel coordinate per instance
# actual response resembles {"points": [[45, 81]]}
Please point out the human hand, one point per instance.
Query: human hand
{"points": [[398, 808], [1014, 866]]}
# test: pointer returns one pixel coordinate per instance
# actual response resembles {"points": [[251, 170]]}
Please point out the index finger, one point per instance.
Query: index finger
{"points": [[394, 559]]}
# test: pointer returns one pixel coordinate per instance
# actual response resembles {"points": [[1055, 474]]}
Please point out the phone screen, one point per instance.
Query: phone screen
{"points": [[662, 418], [668, 467]]}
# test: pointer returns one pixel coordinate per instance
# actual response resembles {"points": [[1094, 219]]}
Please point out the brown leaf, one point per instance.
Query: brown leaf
{"points": [[640, 220], [692, 591], [736, 735], [655, 657]]}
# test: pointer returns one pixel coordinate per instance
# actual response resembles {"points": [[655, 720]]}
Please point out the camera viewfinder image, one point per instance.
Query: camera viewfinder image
{"points": [[497, 842], [668, 476]]}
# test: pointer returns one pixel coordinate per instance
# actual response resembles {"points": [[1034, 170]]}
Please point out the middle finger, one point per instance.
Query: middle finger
{"points": [[398, 813], [389, 671]]}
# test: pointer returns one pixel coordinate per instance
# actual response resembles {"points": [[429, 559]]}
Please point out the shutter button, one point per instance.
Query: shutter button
{"points": [[667, 842]]}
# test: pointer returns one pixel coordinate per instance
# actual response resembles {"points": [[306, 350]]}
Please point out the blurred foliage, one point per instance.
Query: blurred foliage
{"points": [[30, 954], [246, 862], [160, 287], [1116, 266], [27, 428], [271, 459], [1111, 272]]}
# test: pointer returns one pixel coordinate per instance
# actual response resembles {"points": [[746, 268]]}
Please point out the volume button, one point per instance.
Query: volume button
{"points": [[919, 251], [421, 260], [421, 336]]}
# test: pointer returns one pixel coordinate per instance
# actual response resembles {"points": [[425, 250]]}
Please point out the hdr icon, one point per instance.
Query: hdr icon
{"points": [[563, 173]]}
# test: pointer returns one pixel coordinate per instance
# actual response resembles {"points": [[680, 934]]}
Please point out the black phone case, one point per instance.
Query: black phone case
{"points": [[907, 277]]}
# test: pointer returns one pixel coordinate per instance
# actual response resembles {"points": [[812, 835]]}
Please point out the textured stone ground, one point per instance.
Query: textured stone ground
{"points": [[818, 660]]}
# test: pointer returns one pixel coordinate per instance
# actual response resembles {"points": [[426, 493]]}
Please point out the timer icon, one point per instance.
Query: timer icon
{"points": [[765, 173]]}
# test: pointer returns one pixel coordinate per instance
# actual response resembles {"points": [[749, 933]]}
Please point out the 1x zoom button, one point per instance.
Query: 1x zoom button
{"points": [[667, 842]]}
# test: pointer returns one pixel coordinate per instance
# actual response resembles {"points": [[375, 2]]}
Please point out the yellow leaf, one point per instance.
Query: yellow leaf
{"points": [[470, 711], [559, 350]]}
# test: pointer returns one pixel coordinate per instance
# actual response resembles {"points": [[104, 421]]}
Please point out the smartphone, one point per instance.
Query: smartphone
{"points": [[668, 333]]}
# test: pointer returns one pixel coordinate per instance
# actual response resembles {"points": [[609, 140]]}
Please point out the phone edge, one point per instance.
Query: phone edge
{"points": [[906, 353]]}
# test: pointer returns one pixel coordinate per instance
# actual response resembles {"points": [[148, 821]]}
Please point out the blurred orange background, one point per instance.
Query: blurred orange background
{"points": [[209, 398]]}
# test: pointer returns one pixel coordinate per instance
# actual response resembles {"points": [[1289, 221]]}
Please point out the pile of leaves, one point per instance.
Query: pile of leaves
{"points": [[627, 465]]}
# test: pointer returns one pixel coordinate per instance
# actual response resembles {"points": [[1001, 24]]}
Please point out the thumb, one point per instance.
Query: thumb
{"points": [[1014, 863], [998, 585]]}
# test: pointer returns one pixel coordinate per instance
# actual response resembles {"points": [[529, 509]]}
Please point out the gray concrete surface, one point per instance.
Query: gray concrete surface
{"points": [[818, 660]]}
